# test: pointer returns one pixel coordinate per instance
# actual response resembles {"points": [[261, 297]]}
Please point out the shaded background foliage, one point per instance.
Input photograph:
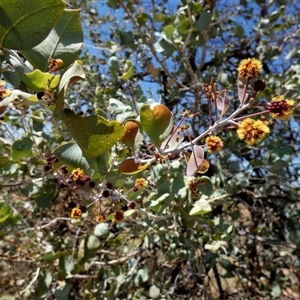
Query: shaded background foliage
{"points": [[248, 246]]}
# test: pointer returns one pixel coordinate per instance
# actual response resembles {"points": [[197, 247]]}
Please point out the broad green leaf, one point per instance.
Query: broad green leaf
{"points": [[280, 164], [157, 122], [113, 64], [101, 229], [203, 21], [162, 45], [21, 148], [128, 70], [70, 154], [128, 213], [93, 134], [168, 30], [63, 42], [200, 207], [43, 284], [204, 185], [73, 74], [132, 166], [39, 81], [154, 292], [12, 78], [63, 294], [45, 194], [184, 25], [23, 25], [6, 216], [93, 242]]}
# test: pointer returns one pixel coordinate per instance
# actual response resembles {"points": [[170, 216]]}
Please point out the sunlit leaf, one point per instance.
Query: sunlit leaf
{"points": [[157, 122], [39, 81], [93, 134], [200, 207], [128, 70], [63, 42], [27, 26], [21, 148]]}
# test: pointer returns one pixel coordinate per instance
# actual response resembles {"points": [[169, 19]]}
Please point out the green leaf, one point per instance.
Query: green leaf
{"points": [[6, 216], [101, 229], [70, 154], [113, 64], [24, 25], [200, 207], [280, 164], [94, 134], [12, 78], [165, 46], [39, 81], [64, 293], [128, 70], [157, 122], [204, 185], [63, 42], [45, 194], [203, 21], [184, 25], [92, 242], [168, 30], [154, 292], [43, 283], [21, 148], [73, 74]]}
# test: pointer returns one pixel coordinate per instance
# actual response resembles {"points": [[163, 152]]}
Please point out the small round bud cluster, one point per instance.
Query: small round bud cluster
{"points": [[51, 160], [192, 186], [119, 216], [100, 218], [172, 156], [74, 181], [259, 85], [132, 205]]}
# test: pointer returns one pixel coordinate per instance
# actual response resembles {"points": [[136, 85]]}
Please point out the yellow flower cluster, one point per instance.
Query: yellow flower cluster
{"points": [[140, 182], [281, 108], [252, 130], [77, 173], [213, 143], [76, 213], [250, 68]]}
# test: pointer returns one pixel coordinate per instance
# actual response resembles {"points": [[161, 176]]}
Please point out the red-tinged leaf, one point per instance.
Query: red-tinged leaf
{"points": [[222, 102], [242, 89], [132, 166], [195, 161], [131, 131], [204, 166]]}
